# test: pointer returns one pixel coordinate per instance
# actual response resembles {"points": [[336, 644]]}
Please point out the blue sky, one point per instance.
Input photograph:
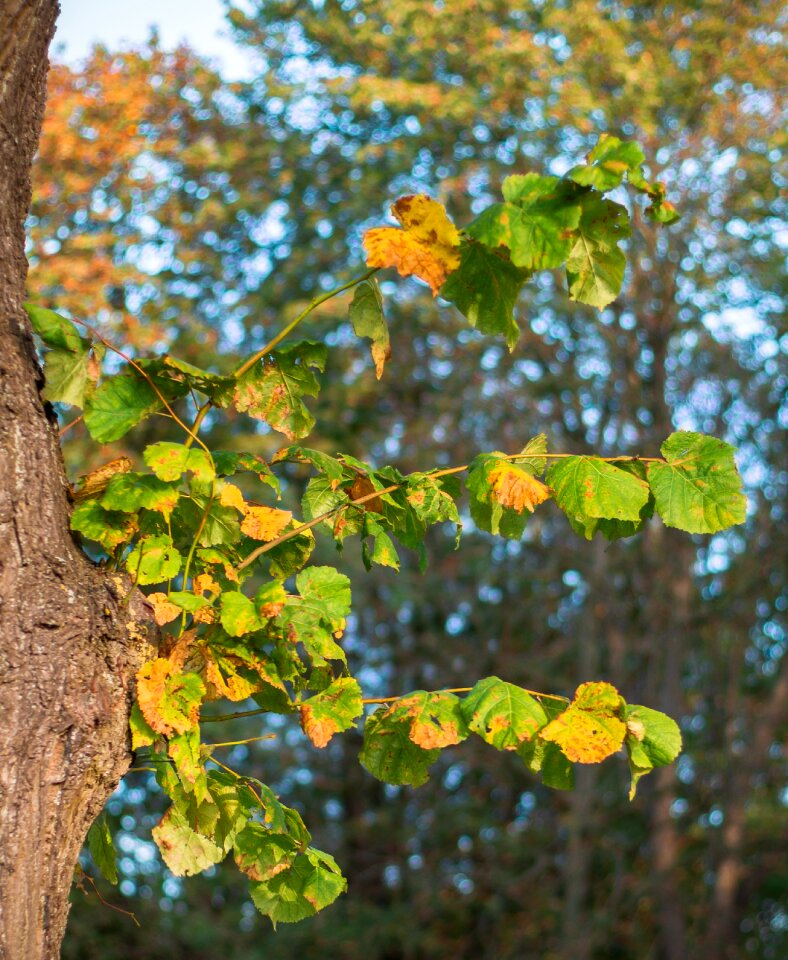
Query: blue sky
{"points": [[115, 22]]}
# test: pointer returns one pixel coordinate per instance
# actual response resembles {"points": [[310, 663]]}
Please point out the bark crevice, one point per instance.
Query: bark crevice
{"points": [[67, 656]]}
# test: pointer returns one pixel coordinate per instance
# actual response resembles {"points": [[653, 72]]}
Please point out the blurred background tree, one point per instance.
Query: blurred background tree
{"points": [[174, 208]]}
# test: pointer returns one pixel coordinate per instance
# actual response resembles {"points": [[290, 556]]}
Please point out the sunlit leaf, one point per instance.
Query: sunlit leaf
{"points": [[502, 714], [699, 489], [366, 316], [591, 728], [427, 246], [333, 710]]}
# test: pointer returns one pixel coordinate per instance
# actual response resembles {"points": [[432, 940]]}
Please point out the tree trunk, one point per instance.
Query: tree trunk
{"points": [[67, 650]]}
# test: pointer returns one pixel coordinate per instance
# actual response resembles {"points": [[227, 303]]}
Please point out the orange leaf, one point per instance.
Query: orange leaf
{"points": [[163, 610], [426, 248], [513, 487], [265, 523], [169, 700]]}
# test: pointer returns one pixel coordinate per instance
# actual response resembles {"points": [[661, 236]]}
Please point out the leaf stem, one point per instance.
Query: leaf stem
{"points": [[449, 471], [149, 380], [369, 700], [64, 430], [285, 331], [238, 743]]}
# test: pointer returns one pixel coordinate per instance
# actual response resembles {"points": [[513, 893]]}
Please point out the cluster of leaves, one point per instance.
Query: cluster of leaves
{"points": [[244, 616], [544, 222]]}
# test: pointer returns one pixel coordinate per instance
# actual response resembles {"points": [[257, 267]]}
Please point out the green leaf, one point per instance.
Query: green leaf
{"points": [[272, 389], [660, 736], [187, 600], [310, 884], [653, 740], [485, 288], [366, 315], [117, 405], [698, 489], [185, 851], [314, 617], [218, 525], [536, 225], [557, 772], [321, 497], [153, 560], [390, 754], [228, 464], [102, 849], [383, 553], [289, 557], [67, 376], [608, 163], [169, 461], [57, 332], [238, 614], [533, 451], [547, 760], [233, 804], [502, 714], [130, 492], [142, 734], [333, 710], [334, 471], [595, 265], [107, 527], [588, 489]]}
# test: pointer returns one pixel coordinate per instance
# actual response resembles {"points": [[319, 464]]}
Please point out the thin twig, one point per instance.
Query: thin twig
{"points": [[248, 364], [64, 430], [106, 903], [449, 471]]}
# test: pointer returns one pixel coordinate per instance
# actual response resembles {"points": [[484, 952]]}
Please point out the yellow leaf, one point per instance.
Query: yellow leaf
{"points": [[231, 496], [515, 488], [163, 610], [426, 248], [426, 220], [589, 731], [265, 523]]}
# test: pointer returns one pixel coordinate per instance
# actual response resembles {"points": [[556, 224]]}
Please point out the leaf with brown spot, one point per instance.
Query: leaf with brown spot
{"points": [[265, 523], [426, 248], [436, 720], [502, 714], [169, 700], [362, 487], [591, 728], [333, 710]]}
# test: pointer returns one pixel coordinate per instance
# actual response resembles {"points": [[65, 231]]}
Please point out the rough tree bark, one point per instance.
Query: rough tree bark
{"points": [[68, 647]]}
